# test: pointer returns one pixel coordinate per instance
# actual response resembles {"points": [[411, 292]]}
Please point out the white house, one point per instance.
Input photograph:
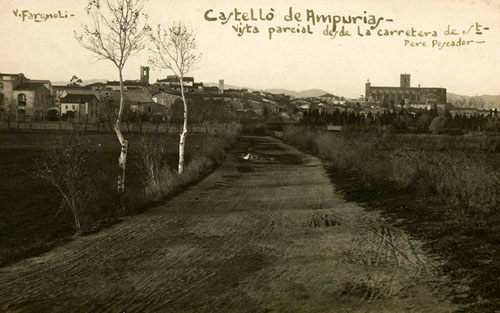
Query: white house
{"points": [[82, 107]]}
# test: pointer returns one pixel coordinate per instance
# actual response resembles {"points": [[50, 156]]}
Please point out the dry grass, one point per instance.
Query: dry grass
{"points": [[88, 192], [464, 181], [444, 192], [161, 179]]}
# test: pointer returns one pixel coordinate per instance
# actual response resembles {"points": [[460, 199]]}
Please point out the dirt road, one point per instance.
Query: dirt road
{"points": [[268, 234]]}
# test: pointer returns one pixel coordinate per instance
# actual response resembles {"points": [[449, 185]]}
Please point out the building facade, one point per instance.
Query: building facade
{"points": [[172, 83], [24, 99], [404, 95], [80, 107], [32, 101], [7, 84]]}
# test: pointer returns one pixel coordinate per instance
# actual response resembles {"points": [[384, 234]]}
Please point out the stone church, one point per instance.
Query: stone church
{"points": [[405, 95]]}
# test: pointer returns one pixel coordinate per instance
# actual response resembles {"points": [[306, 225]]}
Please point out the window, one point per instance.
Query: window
{"points": [[21, 99], [66, 106], [73, 106]]}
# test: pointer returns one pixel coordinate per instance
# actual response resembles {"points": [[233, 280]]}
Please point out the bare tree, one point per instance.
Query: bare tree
{"points": [[11, 111], [115, 33], [63, 165], [174, 49], [477, 102]]}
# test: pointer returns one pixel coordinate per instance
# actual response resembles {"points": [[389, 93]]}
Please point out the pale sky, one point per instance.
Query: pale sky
{"points": [[48, 50]]}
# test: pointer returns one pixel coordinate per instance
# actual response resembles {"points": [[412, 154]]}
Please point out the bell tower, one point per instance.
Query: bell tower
{"points": [[367, 89], [404, 81], [145, 74]]}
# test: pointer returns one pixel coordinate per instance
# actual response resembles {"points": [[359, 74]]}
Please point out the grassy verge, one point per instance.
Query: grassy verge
{"points": [[36, 216], [89, 192], [161, 180], [449, 198]]}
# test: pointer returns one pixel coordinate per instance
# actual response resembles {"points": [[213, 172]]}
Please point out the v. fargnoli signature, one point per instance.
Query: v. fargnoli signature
{"points": [[40, 17]]}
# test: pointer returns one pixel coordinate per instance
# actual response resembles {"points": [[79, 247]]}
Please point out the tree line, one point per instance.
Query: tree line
{"points": [[404, 120]]}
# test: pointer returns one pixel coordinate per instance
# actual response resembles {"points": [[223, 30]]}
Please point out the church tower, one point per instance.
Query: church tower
{"points": [[404, 81], [145, 74], [367, 89]]}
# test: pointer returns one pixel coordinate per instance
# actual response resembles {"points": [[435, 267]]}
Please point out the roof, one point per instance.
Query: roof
{"points": [[300, 101], [43, 81], [408, 88], [168, 93], [78, 98], [29, 86], [138, 96], [133, 97], [173, 78], [65, 87], [127, 83], [7, 74]]}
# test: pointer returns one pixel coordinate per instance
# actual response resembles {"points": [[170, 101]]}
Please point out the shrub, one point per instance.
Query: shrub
{"points": [[301, 137], [161, 180], [151, 164], [336, 149], [214, 147], [64, 166], [405, 167], [467, 184]]}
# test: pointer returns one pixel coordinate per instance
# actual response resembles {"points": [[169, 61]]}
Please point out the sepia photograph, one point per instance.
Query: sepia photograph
{"points": [[250, 156]]}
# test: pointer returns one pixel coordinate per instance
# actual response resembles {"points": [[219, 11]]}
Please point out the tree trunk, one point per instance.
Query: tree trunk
{"points": [[122, 160], [86, 124], [182, 141]]}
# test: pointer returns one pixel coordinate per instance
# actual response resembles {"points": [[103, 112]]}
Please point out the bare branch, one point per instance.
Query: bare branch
{"points": [[174, 49], [114, 33], [115, 30]]}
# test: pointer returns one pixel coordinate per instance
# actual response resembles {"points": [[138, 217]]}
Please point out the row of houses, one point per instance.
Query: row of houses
{"points": [[237, 100], [22, 98]]}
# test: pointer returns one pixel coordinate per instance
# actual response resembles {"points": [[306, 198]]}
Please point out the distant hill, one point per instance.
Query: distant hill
{"points": [[454, 98], [296, 94], [490, 101], [299, 94], [85, 82], [226, 86]]}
